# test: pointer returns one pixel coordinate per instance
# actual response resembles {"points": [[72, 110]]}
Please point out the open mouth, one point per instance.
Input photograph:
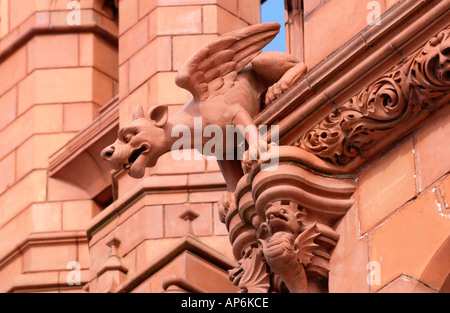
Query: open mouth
{"points": [[279, 216], [134, 156], [278, 222]]}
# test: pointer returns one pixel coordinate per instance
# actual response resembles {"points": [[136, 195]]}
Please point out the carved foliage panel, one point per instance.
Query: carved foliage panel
{"points": [[406, 93]]}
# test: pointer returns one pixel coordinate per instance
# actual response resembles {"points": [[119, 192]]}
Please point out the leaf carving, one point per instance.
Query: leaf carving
{"points": [[415, 87]]}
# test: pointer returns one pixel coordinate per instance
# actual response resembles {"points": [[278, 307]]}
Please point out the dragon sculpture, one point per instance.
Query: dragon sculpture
{"points": [[286, 246], [230, 80]]}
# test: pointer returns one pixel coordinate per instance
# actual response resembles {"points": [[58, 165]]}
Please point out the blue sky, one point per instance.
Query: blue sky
{"points": [[273, 11]]}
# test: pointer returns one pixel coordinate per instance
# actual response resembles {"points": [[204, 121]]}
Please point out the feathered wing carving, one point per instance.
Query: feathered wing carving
{"points": [[304, 244], [212, 70]]}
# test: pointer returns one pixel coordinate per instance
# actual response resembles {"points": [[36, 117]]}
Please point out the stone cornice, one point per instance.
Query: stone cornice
{"points": [[27, 280], [37, 282], [44, 238], [150, 185], [385, 110], [329, 85], [188, 243], [351, 107], [46, 22], [108, 120]]}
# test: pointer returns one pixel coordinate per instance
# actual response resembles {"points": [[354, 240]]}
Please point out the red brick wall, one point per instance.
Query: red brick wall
{"points": [[156, 38], [401, 217], [53, 81], [329, 24]]}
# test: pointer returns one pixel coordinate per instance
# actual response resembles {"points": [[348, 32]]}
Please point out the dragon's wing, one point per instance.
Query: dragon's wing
{"points": [[213, 69], [304, 244]]}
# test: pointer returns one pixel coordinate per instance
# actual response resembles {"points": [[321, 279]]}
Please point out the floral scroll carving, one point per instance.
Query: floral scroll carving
{"points": [[406, 93]]}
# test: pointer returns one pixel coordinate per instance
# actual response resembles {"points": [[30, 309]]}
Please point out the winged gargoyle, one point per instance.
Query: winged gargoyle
{"points": [[289, 249], [230, 81]]}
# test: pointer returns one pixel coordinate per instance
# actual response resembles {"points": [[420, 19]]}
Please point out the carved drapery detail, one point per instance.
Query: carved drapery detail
{"points": [[280, 222], [407, 92]]}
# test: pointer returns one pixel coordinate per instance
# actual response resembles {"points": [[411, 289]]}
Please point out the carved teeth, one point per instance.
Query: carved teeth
{"points": [[277, 216]]}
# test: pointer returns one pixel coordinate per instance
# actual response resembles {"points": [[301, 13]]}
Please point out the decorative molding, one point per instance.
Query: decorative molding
{"points": [[405, 28], [405, 95], [175, 284], [35, 239], [187, 243], [43, 22], [40, 283], [27, 281], [325, 80], [280, 222], [113, 272], [107, 122]]}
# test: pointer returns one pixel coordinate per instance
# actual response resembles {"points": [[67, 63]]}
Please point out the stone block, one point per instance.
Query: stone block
{"points": [[433, 159], [386, 185]]}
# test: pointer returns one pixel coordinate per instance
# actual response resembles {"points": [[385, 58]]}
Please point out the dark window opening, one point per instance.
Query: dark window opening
{"points": [[105, 198], [111, 7]]}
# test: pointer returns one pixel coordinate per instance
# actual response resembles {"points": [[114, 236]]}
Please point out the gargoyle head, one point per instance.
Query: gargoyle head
{"points": [[286, 217], [140, 144]]}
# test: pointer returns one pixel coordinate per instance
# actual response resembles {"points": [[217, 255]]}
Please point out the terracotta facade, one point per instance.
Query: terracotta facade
{"points": [[363, 151]]}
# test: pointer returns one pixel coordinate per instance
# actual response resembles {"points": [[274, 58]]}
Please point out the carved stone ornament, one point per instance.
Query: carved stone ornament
{"points": [[280, 222], [284, 217], [230, 81], [405, 95], [280, 215]]}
